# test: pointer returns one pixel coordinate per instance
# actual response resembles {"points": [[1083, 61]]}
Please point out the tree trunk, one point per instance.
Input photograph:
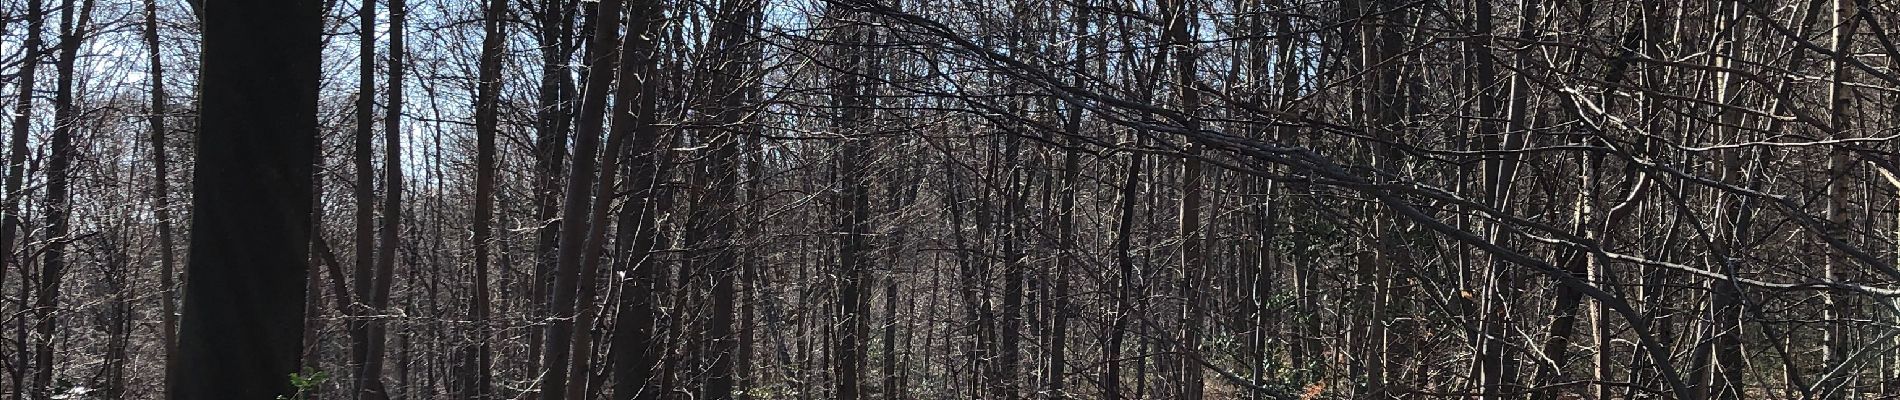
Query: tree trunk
{"points": [[1066, 257], [1498, 361], [1386, 105], [637, 348], [554, 119], [972, 279], [1126, 277], [487, 97], [245, 278], [161, 190], [852, 208], [577, 201], [364, 386], [314, 320], [717, 211], [1180, 17], [1004, 376], [1840, 106], [58, 194], [632, 77], [16, 171], [1066, 261], [389, 239]]}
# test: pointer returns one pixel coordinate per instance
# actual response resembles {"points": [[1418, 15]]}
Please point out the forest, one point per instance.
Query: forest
{"points": [[949, 199]]}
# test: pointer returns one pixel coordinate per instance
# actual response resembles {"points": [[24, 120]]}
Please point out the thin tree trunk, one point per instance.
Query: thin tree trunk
{"points": [[1180, 16], [1484, 74], [852, 207], [1066, 256], [907, 184], [1004, 372], [637, 347], [578, 200], [749, 256], [118, 324], [1126, 275], [58, 195], [632, 78], [16, 171], [1066, 261], [1305, 343], [314, 321], [365, 385], [972, 278], [1387, 106], [554, 117], [1840, 105], [390, 235], [1498, 361], [718, 210], [487, 97], [161, 190]]}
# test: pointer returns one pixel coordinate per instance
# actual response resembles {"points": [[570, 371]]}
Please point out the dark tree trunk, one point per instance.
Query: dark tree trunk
{"points": [[58, 194], [636, 347], [161, 191], [578, 200], [389, 236], [16, 171], [852, 208], [1067, 250], [1065, 261], [1497, 361], [1180, 17], [717, 210], [487, 93], [1125, 278], [1004, 372], [1386, 106], [634, 65], [365, 385], [314, 320], [554, 118], [245, 278]]}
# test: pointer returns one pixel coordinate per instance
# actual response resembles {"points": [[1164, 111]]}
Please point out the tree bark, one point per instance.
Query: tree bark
{"points": [[632, 77], [16, 161], [637, 348], [717, 211], [16, 171], [1127, 278], [577, 201], [554, 117], [487, 97], [161, 189], [389, 237], [364, 386], [1497, 362], [245, 278], [852, 209], [1180, 16], [58, 204], [1068, 248], [1840, 107]]}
